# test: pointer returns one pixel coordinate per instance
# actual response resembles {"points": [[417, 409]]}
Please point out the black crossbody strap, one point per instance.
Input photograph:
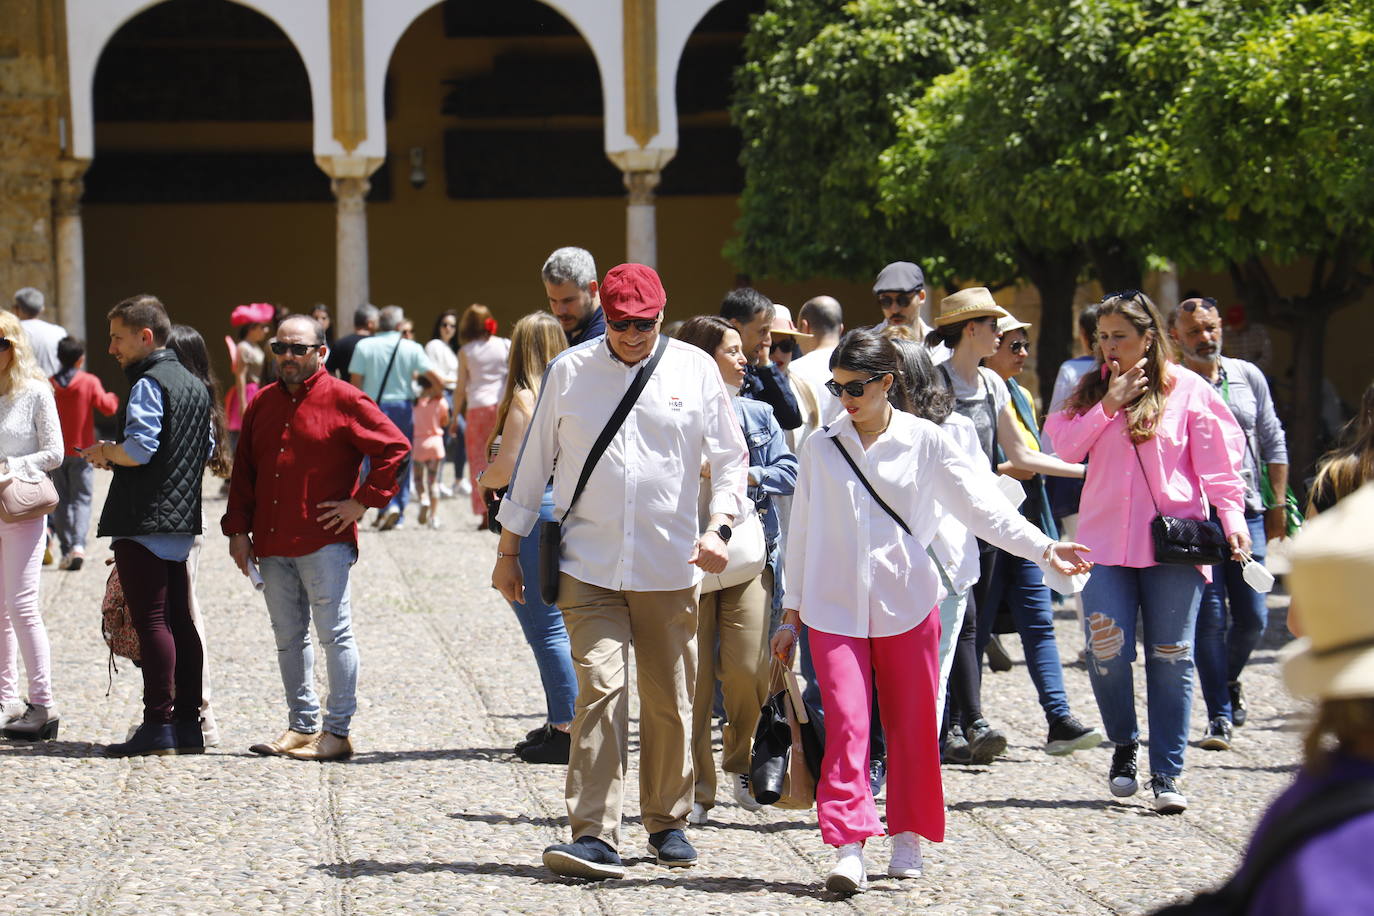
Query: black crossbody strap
{"points": [[386, 376], [1135, 447], [622, 410]]}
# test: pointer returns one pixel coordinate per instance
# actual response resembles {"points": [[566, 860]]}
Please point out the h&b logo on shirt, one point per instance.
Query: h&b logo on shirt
{"points": [[674, 402]]}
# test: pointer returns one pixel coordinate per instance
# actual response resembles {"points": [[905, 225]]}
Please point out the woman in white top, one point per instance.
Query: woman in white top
{"points": [[482, 360], [865, 591], [442, 351], [30, 446]]}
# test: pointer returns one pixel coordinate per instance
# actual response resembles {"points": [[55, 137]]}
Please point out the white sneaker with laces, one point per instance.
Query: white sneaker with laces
{"points": [[698, 817], [906, 856], [742, 791], [849, 874]]}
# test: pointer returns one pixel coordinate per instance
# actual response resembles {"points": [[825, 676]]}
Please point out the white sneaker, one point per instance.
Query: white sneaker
{"points": [[389, 518], [445, 491], [742, 791], [850, 874], [698, 816], [906, 856], [465, 487]]}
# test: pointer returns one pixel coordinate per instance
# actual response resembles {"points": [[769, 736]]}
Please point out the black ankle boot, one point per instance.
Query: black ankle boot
{"points": [[190, 739], [152, 739]]}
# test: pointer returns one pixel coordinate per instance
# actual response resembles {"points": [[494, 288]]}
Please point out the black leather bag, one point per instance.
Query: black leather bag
{"points": [[551, 532], [772, 750], [1184, 541]]}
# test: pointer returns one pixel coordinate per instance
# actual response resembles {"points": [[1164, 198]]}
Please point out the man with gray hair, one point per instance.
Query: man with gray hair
{"points": [[569, 277], [383, 366], [341, 354], [43, 335]]}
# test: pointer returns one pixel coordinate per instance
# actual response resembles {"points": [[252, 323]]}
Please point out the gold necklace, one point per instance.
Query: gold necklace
{"points": [[886, 424]]}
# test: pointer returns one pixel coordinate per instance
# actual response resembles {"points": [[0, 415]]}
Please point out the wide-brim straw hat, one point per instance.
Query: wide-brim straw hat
{"points": [[1331, 581], [782, 322], [974, 302]]}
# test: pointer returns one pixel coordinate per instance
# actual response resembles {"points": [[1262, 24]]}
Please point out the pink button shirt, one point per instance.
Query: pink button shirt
{"points": [[1190, 462]]}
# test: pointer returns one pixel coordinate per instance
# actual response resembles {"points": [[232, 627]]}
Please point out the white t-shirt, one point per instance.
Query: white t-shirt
{"points": [[486, 364], [43, 338]]}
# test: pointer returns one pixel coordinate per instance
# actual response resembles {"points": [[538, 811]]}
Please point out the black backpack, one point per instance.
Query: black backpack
{"points": [[1332, 806]]}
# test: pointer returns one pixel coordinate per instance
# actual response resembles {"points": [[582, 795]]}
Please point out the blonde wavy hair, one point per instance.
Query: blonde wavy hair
{"points": [[534, 341], [1142, 415], [23, 364]]}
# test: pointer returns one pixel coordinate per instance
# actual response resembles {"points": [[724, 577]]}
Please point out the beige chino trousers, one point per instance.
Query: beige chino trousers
{"points": [[739, 616], [602, 625]]}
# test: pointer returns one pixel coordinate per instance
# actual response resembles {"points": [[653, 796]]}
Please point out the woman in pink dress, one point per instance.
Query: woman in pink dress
{"points": [[482, 360]]}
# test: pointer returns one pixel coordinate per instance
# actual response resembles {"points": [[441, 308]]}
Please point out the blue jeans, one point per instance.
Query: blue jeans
{"points": [[402, 413], [71, 520], [1166, 597], [1222, 653], [298, 589], [1021, 583], [544, 630]]}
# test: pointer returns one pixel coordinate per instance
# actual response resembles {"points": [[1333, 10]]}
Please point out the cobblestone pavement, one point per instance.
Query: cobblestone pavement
{"points": [[435, 815]]}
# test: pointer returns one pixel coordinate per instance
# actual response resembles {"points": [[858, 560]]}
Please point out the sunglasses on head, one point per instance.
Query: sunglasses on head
{"points": [[889, 300], [1123, 294], [643, 325], [853, 389], [1199, 302], [5, 344], [280, 348]]}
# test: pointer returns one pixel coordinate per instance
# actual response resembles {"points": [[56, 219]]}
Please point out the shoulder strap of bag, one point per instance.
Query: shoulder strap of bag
{"points": [[622, 410], [1320, 813], [386, 376], [939, 567], [1135, 447]]}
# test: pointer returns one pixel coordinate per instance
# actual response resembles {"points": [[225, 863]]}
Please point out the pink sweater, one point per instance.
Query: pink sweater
{"points": [[1190, 463]]}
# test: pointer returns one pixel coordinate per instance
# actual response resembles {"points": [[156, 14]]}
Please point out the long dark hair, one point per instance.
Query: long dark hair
{"points": [[863, 351], [928, 395], [186, 342], [452, 341], [704, 331]]}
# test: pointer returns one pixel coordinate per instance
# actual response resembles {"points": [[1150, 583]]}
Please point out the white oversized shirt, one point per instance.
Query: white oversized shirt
{"points": [[851, 570], [635, 524]]}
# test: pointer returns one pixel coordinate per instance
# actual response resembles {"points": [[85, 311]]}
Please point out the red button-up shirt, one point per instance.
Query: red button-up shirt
{"points": [[299, 450]]}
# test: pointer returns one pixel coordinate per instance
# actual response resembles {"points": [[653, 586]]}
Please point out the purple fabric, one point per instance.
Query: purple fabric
{"points": [[1330, 875]]}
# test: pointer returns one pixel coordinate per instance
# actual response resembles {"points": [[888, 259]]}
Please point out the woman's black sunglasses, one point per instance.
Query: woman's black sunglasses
{"points": [[642, 325], [5, 344], [280, 348], [853, 389]]}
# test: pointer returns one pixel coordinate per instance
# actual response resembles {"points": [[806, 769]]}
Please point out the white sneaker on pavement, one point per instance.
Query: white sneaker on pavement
{"points": [[465, 487], [906, 856], [850, 874], [698, 817], [742, 791]]}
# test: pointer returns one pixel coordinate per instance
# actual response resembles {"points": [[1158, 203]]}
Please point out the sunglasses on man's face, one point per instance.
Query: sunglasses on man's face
{"points": [[853, 389], [896, 300], [5, 344], [280, 348], [642, 325], [1019, 347]]}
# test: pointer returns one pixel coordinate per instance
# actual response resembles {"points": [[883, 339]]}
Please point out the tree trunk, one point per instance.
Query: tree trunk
{"points": [[1304, 430], [1055, 275], [1117, 266]]}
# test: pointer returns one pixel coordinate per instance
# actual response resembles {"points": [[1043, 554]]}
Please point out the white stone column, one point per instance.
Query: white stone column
{"points": [[350, 186], [1168, 288], [641, 169], [71, 258]]}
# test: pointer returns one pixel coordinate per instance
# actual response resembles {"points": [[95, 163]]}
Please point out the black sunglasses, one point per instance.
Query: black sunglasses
{"points": [[888, 300], [5, 344], [280, 348], [853, 389], [1019, 346], [1123, 294], [1199, 302], [643, 325]]}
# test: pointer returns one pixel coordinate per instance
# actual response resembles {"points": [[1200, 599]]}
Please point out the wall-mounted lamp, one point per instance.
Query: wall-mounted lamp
{"points": [[418, 177]]}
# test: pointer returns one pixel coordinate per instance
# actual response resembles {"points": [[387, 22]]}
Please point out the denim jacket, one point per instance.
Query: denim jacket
{"points": [[771, 462]]}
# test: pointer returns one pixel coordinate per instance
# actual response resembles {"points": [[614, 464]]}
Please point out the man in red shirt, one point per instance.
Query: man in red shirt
{"points": [[294, 505], [78, 394]]}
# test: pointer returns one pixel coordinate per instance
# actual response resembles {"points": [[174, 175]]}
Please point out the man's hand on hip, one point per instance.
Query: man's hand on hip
{"points": [[241, 551], [340, 514], [710, 553]]}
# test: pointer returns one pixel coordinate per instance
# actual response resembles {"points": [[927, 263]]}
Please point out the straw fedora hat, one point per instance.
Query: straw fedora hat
{"points": [[1331, 581], [974, 302], [782, 322]]}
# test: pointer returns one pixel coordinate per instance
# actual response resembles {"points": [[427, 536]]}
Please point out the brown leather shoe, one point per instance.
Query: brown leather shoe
{"points": [[329, 747], [286, 742]]}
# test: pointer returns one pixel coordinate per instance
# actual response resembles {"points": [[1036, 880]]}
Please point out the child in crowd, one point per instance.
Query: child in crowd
{"points": [[78, 394], [431, 416]]}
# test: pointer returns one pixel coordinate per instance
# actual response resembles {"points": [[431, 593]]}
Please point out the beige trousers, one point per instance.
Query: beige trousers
{"points": [[602, 625], [739, 616]]}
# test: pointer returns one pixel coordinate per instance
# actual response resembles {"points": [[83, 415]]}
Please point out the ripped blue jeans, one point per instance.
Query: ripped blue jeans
{"points": [[1166, 599]]}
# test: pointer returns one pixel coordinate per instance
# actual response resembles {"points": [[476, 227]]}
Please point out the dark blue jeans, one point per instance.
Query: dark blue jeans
{"points": [[544, 630], [1222, 652], [402, 413], [1022, 584]]}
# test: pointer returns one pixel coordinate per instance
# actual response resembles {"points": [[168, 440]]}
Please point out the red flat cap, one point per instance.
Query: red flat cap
{"points": [[632, 291]]}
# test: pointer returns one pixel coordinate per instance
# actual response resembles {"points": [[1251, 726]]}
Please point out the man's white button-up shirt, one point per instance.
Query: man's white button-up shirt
{"points": [[635, 524]]}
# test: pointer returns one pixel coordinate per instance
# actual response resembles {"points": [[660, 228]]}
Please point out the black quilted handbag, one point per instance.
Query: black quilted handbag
{"points": [[1184, 541]]}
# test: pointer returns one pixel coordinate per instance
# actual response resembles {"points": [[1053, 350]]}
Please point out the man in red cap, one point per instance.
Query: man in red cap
{"points": [[631, 557]]}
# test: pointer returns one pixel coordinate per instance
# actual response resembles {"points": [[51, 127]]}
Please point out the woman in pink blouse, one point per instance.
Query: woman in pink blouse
{"points": [[1155, 435]]}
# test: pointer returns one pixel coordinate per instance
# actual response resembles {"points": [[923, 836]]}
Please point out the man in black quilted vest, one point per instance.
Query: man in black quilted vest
{"points": [[153, 514]]}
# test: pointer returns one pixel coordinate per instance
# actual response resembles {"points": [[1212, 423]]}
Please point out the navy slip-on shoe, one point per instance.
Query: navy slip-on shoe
{"points": [[586, 857], [672, 849]]}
